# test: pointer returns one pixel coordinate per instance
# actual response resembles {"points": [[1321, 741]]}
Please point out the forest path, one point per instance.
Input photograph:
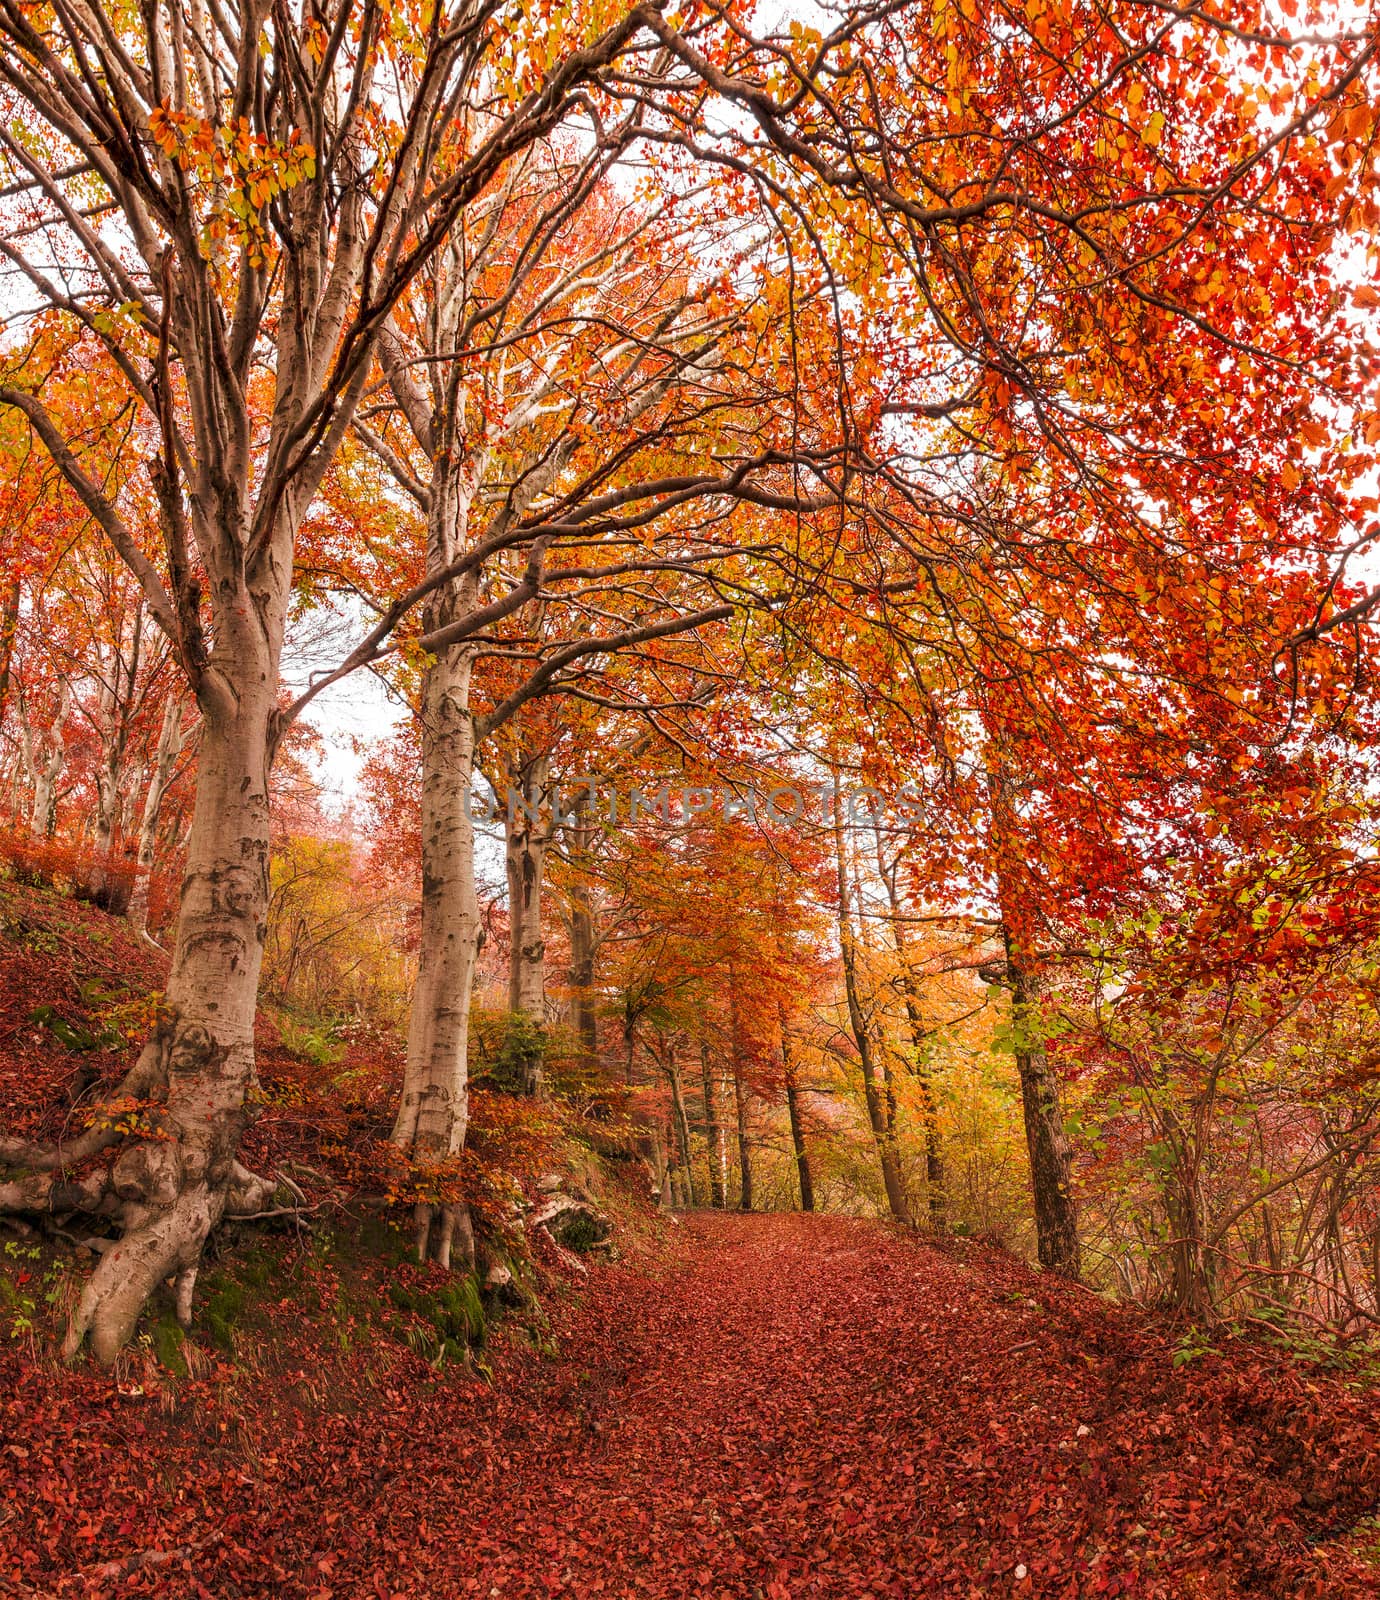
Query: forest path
{"points": [[762, 1408], [817, 1407]]}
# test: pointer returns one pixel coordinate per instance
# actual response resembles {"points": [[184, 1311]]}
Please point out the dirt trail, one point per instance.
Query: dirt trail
{"points": [[813, 1407], [788, 1407]]}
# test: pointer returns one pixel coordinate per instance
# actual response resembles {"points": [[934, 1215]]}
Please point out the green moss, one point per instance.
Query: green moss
{"points": [[455, 1312], [583, 1232], [168, 1340], [224, 1312], [240, 1284], [382, 1238]]}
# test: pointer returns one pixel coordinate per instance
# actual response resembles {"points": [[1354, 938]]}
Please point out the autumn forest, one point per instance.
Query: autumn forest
{"points": [[689, 799]]}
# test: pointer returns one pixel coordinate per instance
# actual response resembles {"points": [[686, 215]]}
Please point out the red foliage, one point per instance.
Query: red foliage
{"points": [[59, 864], [91, 973], [792, 1407]]}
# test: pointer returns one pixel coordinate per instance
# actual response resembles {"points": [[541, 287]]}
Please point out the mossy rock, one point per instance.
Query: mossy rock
{"points": [[583, 1231]]}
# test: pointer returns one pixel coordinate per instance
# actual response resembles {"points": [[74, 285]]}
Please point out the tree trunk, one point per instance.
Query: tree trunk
{"points": [[107, 794], [433, 1115], [877, 1093], [935, 1198], [802, 1155], [665, 1189], [48, 772], [715, 1141], [744, 1148], [935, 1193], [115, 704], [1051, 1154], [9, 627], [26, 767], [174, 1188], [682, 1124], [527, 837], [170, 740], [582, 978]]}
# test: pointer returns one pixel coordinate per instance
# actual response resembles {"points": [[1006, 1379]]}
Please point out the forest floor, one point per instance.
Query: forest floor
{"points": [[743, 1408], [753, 1407]]}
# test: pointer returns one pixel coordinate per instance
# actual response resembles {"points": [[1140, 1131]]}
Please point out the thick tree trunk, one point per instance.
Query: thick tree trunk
{"points": [[1051, 1154], [433, 1115], [877, 1091], [715, 1140], [174, 1188], [170, 740], [802, 1155]]}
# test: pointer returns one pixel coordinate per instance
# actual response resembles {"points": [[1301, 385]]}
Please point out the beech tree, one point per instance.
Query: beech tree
{"points": [[557, 381], [243, 205]]}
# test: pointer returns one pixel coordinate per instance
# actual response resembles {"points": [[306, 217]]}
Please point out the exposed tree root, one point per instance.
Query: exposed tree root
{"points": [[442, 1232], [168, 1185], [166, 1222]]}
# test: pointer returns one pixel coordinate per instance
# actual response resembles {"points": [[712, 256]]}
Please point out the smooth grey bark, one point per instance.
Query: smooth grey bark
{"points": [[173, 1189], [528, 829], [433, 1114]]}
